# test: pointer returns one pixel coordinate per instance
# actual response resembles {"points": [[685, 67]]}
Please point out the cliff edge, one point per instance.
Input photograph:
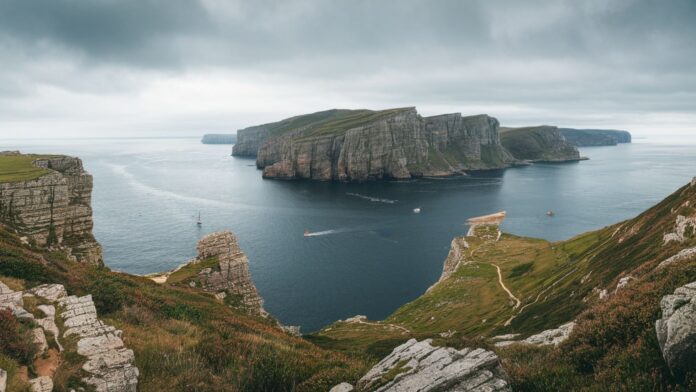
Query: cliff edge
{"points": [[539, 144], [48, 199]]}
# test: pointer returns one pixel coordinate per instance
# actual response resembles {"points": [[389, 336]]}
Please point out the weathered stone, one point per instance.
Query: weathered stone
{"points": [[54, 210], [3, 380], [41, 384], [538, 144], [51, 292], [684, 254], [342, 387], [546, 338], [419, 366], [681, 226], [676, 330], [40, 340], [232, 274]]}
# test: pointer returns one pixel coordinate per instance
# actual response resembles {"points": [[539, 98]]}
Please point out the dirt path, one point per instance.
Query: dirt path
{"points": [[382, 325], [509, 293]]}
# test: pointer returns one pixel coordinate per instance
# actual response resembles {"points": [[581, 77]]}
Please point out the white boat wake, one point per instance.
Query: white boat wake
{"points": [[326, 232], [372, 198]]}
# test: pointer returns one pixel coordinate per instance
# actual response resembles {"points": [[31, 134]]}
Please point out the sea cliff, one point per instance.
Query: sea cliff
{"points": [[218, 138], [539, 144], [51, 207], [595, 137], [360, 145]]}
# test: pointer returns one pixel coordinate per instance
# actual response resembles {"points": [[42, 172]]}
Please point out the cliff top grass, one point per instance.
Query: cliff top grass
{"points": [[328, 122], [16, 168]]}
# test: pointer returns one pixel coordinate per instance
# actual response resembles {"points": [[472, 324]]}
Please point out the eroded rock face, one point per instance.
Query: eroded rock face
{"points": [[676, 330], [249, 140], [54, 210], [110, 366], [401, 145], [539, 144], [232, 273], [545, 338], [419, 366]]}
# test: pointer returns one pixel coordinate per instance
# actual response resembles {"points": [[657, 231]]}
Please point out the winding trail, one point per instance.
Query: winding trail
{"points": [[381, 325], [509, 293]]}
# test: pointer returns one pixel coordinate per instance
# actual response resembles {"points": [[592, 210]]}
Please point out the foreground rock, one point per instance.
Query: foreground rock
{"points": [[230, 279], [539, 144], [550, 337], [110, 366], [419, 366], [359, 145], [54, 210], [676, 330]]}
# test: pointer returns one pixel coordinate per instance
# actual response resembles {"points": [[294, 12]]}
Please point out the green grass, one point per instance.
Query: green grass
{"points": [[190, 271], [16, 168]]}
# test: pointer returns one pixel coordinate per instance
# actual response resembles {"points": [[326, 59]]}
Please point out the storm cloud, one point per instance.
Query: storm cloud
{"points": [[156, 67]]}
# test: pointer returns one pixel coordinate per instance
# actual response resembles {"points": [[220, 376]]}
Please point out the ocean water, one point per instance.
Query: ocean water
{"points": [[369, 253]]}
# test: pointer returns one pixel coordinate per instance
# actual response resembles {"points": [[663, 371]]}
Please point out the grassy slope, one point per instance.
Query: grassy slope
{"points": [[15, 168], [183, 339], [556, 283]]}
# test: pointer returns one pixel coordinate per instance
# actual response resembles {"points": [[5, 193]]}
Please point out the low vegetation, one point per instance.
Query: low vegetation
{"points": [[15, 168]]}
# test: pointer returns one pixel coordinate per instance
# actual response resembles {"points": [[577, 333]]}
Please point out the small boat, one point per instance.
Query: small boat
{"points": [[550, 213], [307, 233], [199, 222], [416, 210]]}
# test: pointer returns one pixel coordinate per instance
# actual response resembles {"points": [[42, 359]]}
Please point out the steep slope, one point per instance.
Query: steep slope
{"points": [[608, 281], [538, 144], [48, 200], [359, 145], [595, 137], [183, 338]]}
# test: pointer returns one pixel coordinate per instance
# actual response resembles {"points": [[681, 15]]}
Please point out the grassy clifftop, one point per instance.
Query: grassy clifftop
{"points": [[16, 168], [525, 285]]}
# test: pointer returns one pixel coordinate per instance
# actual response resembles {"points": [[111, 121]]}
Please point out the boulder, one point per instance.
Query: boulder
{"points": [[545, 338], [676, 330], [3, 380], [342, 387], [41, 384], [420, 366]]}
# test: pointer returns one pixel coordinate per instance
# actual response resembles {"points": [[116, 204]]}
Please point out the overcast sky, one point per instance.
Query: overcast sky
{"points": [[185, 67]]}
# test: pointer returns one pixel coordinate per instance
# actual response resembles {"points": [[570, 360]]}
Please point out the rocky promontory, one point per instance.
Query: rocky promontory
{"points": [[51, 207], [219, 138], [595, 137], [360, 145], [539, 144]]}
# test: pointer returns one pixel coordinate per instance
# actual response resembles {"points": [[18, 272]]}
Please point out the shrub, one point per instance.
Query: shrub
{"points": [[16, 341]]}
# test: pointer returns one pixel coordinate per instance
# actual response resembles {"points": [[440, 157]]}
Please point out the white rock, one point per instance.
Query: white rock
{"points": [[40, 339], [546, 338], [51, 292], [676, 330], [684, 254], [3, 380], [342, 387], [41, 384], [425, 368]]}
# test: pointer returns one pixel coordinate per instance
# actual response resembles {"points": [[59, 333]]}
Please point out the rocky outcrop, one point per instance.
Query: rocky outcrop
{"points": [[550, 337], [110, 366], [3, 380], [420, 366], [54, 210], [539, 144], [595, 137], [219, 138], [676, 330], [231, 273], [392, 144], [249, 140]]}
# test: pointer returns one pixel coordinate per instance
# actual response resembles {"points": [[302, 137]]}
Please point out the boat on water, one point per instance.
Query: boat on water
{"points": [[417, 210], [550, 213], [199, 222], [307, 233]]}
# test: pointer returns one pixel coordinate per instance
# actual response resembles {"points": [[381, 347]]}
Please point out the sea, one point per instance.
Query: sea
{"points": [[369, 252]]}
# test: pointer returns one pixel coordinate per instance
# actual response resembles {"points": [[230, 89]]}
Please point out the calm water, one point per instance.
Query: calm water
{"points": [[373, 253]]}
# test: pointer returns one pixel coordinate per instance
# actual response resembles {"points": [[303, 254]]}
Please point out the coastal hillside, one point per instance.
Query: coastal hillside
{"points": [[572, 315], [595, 137], [538, 144], [67, 324], [359, 145]]}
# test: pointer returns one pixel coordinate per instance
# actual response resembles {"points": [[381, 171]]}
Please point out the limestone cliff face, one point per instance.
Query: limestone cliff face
{"points": [[54, 210], [249, 140], [231, 276], [397, 145], [539, 144]]}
